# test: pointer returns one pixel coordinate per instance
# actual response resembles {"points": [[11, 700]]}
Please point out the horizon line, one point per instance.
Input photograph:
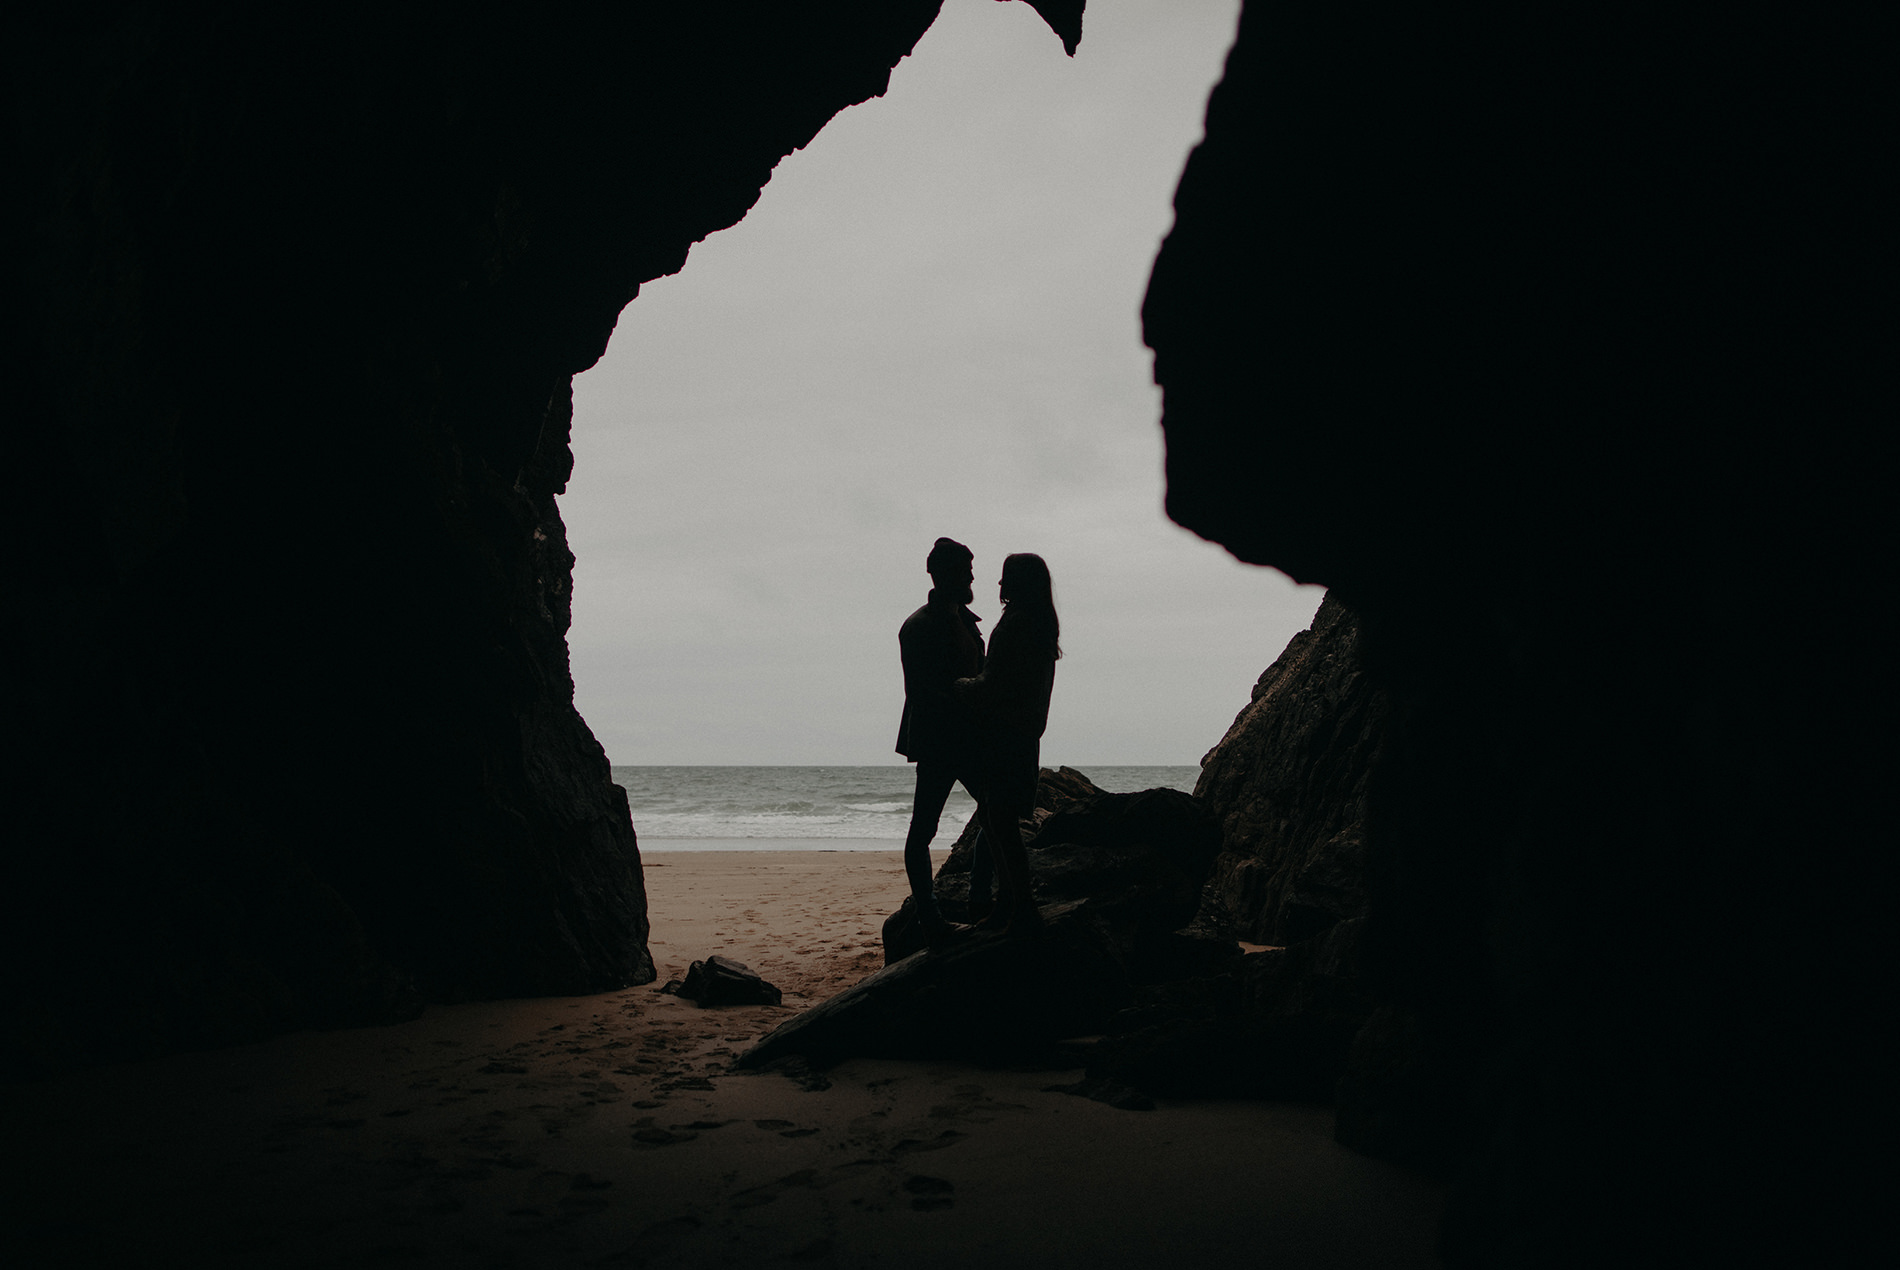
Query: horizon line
{"points": [[611, 763]]}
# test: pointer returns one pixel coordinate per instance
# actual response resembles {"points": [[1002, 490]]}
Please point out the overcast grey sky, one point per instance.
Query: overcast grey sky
{"points": [[929, 324]]}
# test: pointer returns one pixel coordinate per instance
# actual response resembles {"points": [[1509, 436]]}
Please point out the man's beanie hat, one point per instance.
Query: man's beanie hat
{"points": [[947, 551]]}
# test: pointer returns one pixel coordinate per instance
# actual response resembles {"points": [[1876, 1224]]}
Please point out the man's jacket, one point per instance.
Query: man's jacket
{"points": [[940, 645]]}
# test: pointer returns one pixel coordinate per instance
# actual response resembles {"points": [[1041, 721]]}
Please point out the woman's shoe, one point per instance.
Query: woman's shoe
{"points": [[997, 919]]}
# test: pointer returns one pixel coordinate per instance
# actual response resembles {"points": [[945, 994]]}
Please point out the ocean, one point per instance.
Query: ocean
{"points": [[811, 808]]}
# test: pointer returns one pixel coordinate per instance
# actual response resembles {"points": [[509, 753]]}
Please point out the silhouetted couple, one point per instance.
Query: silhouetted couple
{"points": [[978, 719]]}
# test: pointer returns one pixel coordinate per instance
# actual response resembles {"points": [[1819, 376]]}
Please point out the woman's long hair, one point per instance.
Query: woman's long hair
{"points": [[1032, 595]]}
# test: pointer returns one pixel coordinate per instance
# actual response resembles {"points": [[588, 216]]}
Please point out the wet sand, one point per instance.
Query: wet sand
{"points": [[607, 1130]]}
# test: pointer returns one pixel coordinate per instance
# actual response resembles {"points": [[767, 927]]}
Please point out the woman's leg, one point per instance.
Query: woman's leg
{"points": [[1020, 801], [1016, 905], [1000, 908], [982, 874]]}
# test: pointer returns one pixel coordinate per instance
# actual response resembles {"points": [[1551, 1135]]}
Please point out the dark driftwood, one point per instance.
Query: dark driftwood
{"points": [[985, 994]]}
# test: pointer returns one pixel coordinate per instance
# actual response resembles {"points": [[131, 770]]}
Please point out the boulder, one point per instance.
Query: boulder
{"points": [[722, 981], [1055, 787], [1117, 877], [1142, 856], [1280, 1024]]}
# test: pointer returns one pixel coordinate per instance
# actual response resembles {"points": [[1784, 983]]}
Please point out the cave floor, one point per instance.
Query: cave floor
{"points": [[607, 1130]]}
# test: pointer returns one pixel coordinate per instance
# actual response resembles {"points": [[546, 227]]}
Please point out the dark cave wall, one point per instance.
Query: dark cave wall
{"points": [[297, 302], [1290, 783], [1557, 345]]}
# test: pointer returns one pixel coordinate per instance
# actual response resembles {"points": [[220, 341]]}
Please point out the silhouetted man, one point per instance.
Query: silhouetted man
{"points": [[940, 645]]}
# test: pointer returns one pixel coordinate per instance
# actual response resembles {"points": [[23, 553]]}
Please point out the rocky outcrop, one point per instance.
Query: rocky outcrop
{"points": [[1277, 1024], [1064, 18], [294, 313], [1289, 783], [1288, 787], [1055, 788], [1138, 952], [1550, 343], [1117, 877]]}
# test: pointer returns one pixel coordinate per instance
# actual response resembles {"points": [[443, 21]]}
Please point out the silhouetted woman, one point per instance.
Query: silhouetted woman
{"points": [[1011, 702]]}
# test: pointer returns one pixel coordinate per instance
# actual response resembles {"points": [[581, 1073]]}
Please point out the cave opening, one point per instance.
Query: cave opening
{"points": [[928, 324]]}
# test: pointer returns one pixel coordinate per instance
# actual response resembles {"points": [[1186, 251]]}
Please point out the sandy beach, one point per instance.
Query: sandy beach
{"points": [[608, 1130]]}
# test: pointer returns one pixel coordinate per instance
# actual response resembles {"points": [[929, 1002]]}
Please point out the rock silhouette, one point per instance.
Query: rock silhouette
{"points": [[1117, 877], [1278, 1024], [1534, 341], [1289, 784], [720, 981]]}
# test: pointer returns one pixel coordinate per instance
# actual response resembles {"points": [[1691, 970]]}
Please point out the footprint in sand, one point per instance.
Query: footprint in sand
{"points": [[784, 1128], [754, 1196], [930, 1194], [972, 1103], [910, 1146], [868, 1123], [648, 1134]]}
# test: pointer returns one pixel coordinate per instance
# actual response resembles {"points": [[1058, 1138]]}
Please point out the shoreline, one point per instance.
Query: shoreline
{"points": [[677, 846]]}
